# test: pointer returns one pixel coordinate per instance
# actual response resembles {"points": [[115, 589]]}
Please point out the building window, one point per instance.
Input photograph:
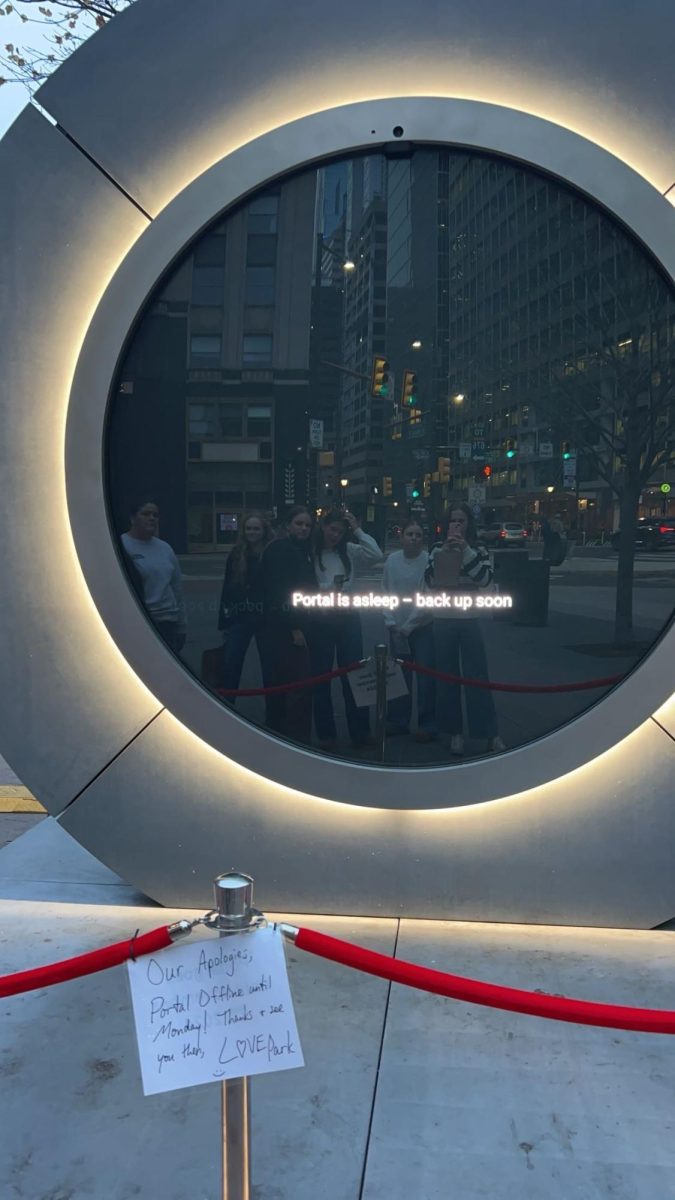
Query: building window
{"points": [[257, 348], [205, 348], [208, 285], [230, 418], [210, 251], [261, 250], [200, 420], [259, 421], [262, 215], [259, 289]]}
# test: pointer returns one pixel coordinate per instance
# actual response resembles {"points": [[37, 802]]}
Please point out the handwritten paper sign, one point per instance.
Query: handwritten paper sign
{"points": [[214, 1009], [364, 683]]}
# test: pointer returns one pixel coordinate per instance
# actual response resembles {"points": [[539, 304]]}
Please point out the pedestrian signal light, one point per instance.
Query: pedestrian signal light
{"points": [[487, 471], [511, 450], [408, 395], [379, 384]]}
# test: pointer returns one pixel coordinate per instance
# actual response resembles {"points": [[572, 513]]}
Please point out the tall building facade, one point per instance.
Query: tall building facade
{"points": [[233, 322]]}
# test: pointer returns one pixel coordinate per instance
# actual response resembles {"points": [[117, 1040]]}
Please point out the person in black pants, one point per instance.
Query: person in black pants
{"points": [[240, 613], [287, 567]]}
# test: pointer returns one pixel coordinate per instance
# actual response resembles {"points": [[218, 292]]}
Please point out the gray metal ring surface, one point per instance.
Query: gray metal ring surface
{"points": [[145, 108], [528, 139]]}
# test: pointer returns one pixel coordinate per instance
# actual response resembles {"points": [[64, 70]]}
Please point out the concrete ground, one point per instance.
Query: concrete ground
{"points": [[19, 811], [404, 1096]]}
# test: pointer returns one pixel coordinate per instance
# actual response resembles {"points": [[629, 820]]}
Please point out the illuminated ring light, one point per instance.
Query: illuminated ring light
{"points": [[241, 173], [177, 784]]}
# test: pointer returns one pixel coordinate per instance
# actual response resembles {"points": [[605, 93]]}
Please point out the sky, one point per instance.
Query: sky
{"points": [[14, 96]]}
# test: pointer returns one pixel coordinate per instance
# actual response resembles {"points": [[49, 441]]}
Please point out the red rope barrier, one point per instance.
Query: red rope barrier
{"points": [[455, 987], [445, 676], [587, 685], [85, 964], [289, 687], [490, 995]]}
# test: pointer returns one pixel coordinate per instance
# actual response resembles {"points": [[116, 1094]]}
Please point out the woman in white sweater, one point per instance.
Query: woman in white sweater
{"points": [[410, 638], [342, 552]]}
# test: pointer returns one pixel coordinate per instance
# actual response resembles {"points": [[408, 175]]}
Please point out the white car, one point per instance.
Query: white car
{"points": [[503, 534]]}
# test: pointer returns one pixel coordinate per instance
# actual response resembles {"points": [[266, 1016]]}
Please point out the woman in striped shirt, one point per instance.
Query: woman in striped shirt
{"points": [[460, 564]]}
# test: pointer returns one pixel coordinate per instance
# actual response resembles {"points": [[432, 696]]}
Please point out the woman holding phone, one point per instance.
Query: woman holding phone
{"points": [[460, 563], [342, 551]]}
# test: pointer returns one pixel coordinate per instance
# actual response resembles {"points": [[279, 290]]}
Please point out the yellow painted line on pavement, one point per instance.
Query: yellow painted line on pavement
{"points": [[17, 799]]}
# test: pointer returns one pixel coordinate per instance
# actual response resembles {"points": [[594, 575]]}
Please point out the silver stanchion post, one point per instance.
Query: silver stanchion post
{"points": [[235, 913], [380, 700]]}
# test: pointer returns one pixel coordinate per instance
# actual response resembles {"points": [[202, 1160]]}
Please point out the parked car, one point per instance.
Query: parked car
{"points": [[651, 533], [503, 534]]}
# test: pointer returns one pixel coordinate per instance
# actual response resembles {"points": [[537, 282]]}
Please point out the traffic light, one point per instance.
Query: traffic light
{"points": [[408, 394], [511, 449], [566, 451], [379, 383], [444, 470], [415, 491], [486, 471], [386, 485]]}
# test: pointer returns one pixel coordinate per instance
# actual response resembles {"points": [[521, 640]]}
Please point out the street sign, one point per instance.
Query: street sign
{"points": [[476, 494], [569, 472], [478, 444], [316, 433], [546, 449], [465, 449], [476, 509]]}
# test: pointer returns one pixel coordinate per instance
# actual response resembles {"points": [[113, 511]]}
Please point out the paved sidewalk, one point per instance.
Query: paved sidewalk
{"points": [[404, 1096]]}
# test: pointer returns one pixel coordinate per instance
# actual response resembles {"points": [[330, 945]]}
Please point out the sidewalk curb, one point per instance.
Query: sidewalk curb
{"points": [[17, 799]]}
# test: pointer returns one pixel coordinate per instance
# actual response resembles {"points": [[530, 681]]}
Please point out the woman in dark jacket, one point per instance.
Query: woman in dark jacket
{"points": [[460, 563], [240, 614], [287, 567]]}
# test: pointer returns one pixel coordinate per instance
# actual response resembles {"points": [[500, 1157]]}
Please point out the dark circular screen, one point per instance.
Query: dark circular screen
{"points": [[420, 400]]}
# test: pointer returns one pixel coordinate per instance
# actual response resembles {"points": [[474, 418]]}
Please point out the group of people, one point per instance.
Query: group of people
{"points": [[264, 569], [294, 644], [262, 573], [450, 642]]}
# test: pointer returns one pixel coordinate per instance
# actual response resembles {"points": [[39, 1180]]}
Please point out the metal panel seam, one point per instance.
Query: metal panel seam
{"points": [[106, 174], [142, 730], [663, 728]]}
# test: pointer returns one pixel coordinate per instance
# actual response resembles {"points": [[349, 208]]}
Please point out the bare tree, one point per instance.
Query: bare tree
{"points": [[67, 24]]}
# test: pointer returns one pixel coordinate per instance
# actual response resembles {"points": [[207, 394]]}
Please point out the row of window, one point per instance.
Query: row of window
{"points": [[225, 420], [206, 349]]}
